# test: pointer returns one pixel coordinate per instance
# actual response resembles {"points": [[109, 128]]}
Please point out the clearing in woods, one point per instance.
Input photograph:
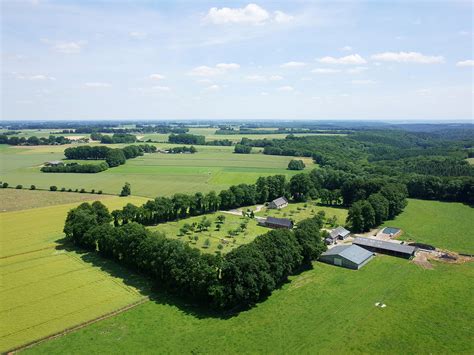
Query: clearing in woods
{"points": [[60, 288]]}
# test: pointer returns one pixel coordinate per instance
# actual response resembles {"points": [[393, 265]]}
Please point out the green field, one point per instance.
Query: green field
{"points": [[446, 225], [46, 289], [212, 168], [324, 310]]}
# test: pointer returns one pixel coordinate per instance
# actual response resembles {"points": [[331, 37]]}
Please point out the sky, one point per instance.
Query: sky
{"points": [[375, 60]]}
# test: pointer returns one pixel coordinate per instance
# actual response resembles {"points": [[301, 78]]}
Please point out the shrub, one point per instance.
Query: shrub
{"points": [[296, 165], [32, 187], [53, 188], [5, 185], [76, 190], [19, 187], [82, 191], [69, 190], [99, 192], [92, 191], [63, 189], [126, 190]]}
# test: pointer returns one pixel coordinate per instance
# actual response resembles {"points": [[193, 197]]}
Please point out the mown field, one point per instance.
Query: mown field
{"points": [[446, 225], [45, 288], [324, 310], [212, 168]]}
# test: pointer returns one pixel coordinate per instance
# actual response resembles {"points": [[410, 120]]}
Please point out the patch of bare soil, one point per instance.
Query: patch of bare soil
{"points": [[421, 259]]}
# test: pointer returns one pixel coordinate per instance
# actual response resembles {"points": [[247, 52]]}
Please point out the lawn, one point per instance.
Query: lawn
{"points": [[212, 168], [15, 200], [446, 225], [324, 310], [45, 288]]}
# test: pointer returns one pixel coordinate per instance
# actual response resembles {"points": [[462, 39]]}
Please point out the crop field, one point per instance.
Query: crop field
{"points": [[15, 200], [211, 168], [45, 288], [297, 317], [446, 225]]}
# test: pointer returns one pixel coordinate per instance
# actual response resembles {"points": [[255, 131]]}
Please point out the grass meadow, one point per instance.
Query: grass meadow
{"points": [[324, 310], [45, 288], [446, 225], [212, 168]]}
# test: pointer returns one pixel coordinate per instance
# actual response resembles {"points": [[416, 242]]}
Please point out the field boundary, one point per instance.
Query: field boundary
{"points": [[76, 327]]}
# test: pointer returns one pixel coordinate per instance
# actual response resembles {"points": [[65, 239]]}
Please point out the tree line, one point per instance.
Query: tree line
{"points": [[76, 168], [187, 138], [183, 149], [236, 280], [33, 140], [115, 138]]}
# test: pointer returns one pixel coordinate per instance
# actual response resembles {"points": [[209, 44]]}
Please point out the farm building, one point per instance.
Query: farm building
{"points": [[390, 232], [54, 163], [278, 203], [390, 248], [276, 223], [348, 256]]}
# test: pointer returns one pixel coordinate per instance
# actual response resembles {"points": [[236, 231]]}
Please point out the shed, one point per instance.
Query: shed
{"points": [[273, 222], [348, 256], [390, 248], [278, 203], [54, 163]]}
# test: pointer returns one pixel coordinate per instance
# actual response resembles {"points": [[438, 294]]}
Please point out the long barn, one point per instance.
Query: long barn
{"points": [[383, 247]]}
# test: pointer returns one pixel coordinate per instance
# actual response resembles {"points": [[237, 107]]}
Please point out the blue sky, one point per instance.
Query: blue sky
{"points": [[377, 60]]}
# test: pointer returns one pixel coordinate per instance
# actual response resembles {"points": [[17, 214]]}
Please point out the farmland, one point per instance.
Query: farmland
{"points": [[212, 168], [452, 229], [295, 319], [56, 285]]}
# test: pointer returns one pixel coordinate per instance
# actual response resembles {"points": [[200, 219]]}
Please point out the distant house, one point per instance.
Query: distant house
{"points": [[272, 222], [278, 203], [54, 163], [390, 248], [348, 256]]}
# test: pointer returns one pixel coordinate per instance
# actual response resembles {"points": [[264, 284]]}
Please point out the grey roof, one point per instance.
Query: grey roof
{"points": [[55, 162], [279, 221], [380, 244], [280, 201], [339, 231], [352, 253]]}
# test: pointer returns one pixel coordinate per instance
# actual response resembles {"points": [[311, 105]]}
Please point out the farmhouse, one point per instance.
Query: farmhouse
{"points": [[276, 223], [348, 256], [390, 248], [278, 203]]}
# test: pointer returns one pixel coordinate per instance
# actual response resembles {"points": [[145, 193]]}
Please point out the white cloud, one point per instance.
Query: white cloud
{"points": [[407, 57], [264, 93], [465, 63], [38, 77], [357, 70], [275, 77], [156, 77], [220, 68], [346, 48], [161, 88], [97, 85], [281, 17], [71, 47], [293, 65], [285, 88], [363, 82], [260, 78], [350, 59], [250, 14], [213, 88], [325, 71], [138, 34]]}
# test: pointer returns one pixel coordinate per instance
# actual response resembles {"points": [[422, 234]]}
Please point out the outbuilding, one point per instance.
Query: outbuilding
{"points": [[348, 256], [278, 203], [276, 223], [54, 163], [383, 247]]}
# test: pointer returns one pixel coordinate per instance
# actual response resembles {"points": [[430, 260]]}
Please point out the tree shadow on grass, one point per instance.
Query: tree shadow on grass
{"points": [[145, 285]]}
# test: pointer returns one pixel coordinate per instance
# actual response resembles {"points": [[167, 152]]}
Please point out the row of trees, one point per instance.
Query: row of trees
{"points": [[184, 149], [76, 168], [239, 279], [186, 138], [33, 140], [114, 138], [242, 149]]}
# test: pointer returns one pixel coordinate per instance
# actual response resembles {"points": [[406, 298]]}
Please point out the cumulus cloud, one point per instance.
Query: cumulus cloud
{"points": [[353, 59], [285, 88], [293, 65], [97, 85], [156, 77], [71, 47], [465, 63], [250, 14], [37, 77], [407, 57], [220, 68], [325, 71]]}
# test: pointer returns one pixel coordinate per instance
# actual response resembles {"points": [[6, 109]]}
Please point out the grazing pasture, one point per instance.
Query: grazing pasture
{"points": [[446, 225], [46, 289], [296, 318], [212, 168]]}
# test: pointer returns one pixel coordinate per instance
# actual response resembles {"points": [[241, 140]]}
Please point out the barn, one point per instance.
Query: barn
{"points": [[276, 223], [348, 256], [278, 203], [383, 247]]}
